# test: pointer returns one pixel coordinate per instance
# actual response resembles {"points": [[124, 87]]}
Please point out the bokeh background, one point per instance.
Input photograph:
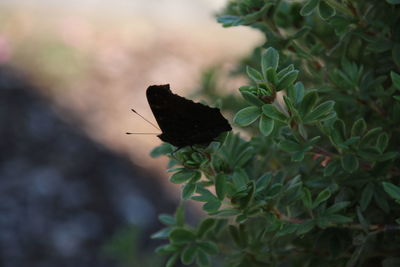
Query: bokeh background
{"points": [[74, 189]]}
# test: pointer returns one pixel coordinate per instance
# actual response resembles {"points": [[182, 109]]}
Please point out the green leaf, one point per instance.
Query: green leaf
{"points": [[166, 249], [184, 176], [251, 98], [270, 59], [188, 190], [330, 169], [338, 134], [220, 185], [308, 103], [271, 76], [305, 227], [349, 163], [212, 205], [395, 79], [229, 20], [359, 127], [266, 125], [387, 156], [181, 236], [240, 178], [188, 255], [167, 219], [204, 195], [355, 256], [303, 131], [205, 226], [338, 207], [340, 24], [202, 259], [162, 234], [302, 32], [225, 212], [272, 112], [234, 232], [172, 260], [180, 215], [298, 156], [370, 135], [299, 93], [273, 191], [351, 140], [208, 247], [175, 169], [307, 200], [254, 74], [263, 181], [287, 80], [382, 142], [243, 157], [381, 200], [309, 7], [284, 71], [161, 150], [366, 196], [368, 155], [247, 116], [392, 190], [290, 107], [337, 218], [290, 146], [288, 228], [319, 112], [322, 196], [325, 10]]}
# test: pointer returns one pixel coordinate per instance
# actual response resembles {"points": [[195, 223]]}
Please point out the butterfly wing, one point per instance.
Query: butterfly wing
{"points": [[182, 121]]}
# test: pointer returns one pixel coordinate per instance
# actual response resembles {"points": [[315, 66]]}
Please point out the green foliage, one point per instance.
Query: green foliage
{"points": [[316, 182], [124, 247]]}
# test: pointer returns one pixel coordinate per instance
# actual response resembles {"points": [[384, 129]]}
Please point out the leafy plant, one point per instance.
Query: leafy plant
{"points": [[317, 181]]}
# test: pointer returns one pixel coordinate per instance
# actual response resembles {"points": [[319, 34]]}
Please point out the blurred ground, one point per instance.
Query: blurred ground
{"points": [[69, 176], [62, 195]]}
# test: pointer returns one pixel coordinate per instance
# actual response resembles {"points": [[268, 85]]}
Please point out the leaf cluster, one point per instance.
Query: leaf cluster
{"points": [[316, 181]]}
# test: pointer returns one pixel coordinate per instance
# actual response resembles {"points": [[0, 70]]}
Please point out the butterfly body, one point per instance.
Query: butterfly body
{"points": [[182, 121]]}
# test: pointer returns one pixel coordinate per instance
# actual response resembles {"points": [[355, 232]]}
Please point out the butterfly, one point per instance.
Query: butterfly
{"points": [[182, 121]]}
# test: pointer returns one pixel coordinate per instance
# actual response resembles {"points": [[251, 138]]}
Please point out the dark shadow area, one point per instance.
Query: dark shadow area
{"points": [[62, 196]]}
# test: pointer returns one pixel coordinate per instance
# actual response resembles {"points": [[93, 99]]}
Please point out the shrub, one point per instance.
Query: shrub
{"points": [[317, 181]]}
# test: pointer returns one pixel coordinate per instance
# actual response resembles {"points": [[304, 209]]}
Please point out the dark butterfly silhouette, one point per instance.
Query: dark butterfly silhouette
{"points": [[182, 121]]}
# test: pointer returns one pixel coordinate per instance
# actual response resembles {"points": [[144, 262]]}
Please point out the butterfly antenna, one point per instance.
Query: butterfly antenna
{"points": [[142, 133], [134, 111]]}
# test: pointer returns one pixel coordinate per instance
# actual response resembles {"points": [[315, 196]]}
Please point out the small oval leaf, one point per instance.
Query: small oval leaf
{"points": [[309, 7], [287, 80], [181, 236], [272, 112], [349, 163], [266, 125], [183, 176], [270, 59], [247, 116]]}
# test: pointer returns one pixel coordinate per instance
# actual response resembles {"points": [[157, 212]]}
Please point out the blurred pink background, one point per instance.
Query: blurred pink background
{"points": [[95, 58]]}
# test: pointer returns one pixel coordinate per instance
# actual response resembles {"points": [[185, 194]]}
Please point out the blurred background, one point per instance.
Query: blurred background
{"points": [[74, 189]]}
